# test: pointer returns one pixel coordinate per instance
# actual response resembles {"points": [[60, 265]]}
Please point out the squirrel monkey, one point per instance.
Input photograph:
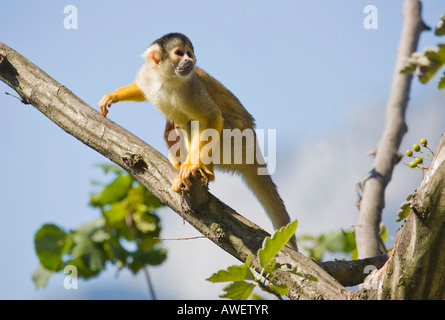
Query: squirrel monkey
{"points": [[186, 94]]}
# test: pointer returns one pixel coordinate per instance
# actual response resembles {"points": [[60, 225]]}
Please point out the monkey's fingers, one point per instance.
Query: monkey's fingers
{"points": [[185, 172], [106, 102], [104, 111], [103, 107], [204, 177]]}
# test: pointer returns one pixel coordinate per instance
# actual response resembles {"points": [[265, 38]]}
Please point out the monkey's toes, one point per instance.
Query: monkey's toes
{"points": [[177, 184]]}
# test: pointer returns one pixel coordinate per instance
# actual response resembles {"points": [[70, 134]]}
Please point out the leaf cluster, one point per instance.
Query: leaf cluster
{"points": [[242, 277], [428, 63], [334, 242], [125, 234]]}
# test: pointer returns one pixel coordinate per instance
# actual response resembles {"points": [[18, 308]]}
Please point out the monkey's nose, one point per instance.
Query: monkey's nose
{"points": [[185, 67]]}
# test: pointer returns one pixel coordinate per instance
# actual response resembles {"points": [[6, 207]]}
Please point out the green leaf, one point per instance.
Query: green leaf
{"points": [[117, 212], [339, 241], [271, 267], [410, 66], [41, 276], [354, 254], [404, 211], [435, 60], [50, 244], [145, 222], [271, 246], [141, 196], [426, 64], [115, 252], [440, 27], [335, 241], [91, 254], [316, 252], [94, 230], [234, 273], [147, 243], [88, 229], [113, 192], [239, 290], [350, 241], [281, 289], [83, 270], [442, 82], [153, 257], [100, 235]]}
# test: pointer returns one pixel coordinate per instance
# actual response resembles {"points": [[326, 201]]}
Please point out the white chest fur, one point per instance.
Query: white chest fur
{"points": [[167, 96]]}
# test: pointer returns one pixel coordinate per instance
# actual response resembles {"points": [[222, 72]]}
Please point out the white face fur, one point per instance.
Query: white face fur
{"points": [[179, 59]]}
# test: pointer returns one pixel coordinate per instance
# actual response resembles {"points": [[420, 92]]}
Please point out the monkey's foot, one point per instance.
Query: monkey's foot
{"points": [[191, 169], [177, 184], [183, 179]]}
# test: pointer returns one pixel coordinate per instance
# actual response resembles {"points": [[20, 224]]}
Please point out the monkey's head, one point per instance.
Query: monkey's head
{"points": [[172, 54]]}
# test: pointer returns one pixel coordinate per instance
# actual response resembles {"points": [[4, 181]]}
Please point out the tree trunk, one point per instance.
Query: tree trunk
{"points": [[416, 269]]}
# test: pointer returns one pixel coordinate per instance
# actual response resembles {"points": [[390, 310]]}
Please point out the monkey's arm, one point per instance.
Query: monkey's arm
{"points": [[128, 93]]}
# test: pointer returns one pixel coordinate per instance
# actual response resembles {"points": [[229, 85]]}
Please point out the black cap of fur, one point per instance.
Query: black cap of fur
{"points": [[162, 41]]}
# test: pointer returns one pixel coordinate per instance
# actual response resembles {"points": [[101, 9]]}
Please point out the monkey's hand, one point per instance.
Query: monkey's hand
{"points": [[128, 93], [183, 179], [106, 102]]}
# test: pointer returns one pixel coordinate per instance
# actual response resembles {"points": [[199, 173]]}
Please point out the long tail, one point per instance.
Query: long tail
{"points": [[267, 194]]}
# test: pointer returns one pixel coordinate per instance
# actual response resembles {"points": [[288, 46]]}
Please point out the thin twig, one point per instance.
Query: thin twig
{"points": [[149, 283], [14, 96], [188, 238]]}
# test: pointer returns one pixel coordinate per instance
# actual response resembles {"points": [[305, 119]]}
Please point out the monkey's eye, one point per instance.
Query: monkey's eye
{"points": [[179, 53], [190, 54]]}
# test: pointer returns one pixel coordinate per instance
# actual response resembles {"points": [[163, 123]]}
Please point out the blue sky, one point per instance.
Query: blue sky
{"points": [[308, 69]]}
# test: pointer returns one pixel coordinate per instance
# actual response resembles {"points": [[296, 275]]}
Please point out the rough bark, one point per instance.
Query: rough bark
{"points": [[352, 273], [416, 269], [221, 224], [374, 183]]}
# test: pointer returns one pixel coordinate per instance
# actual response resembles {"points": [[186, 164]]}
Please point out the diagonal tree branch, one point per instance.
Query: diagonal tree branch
{"points": [[374, 183], [221, 224]]}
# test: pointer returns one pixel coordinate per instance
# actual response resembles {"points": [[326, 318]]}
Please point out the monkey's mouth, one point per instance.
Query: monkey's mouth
{"points": [[184, 68], [183, 71]]}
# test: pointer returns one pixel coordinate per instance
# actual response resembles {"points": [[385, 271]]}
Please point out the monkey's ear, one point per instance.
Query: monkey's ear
{"points": [[152, 54]]}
